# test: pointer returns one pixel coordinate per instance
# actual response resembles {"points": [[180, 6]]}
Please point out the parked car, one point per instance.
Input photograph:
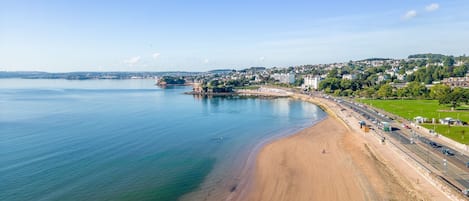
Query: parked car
{"points": [[467, 164], [434, 144], [447, 152]]}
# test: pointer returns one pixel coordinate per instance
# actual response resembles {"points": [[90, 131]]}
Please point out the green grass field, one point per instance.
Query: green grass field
{"points": [[455, 132], [425, 108], [429, 109]]}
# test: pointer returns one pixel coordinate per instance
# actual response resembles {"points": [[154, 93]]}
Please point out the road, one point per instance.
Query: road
{"points": [[451, 168]]}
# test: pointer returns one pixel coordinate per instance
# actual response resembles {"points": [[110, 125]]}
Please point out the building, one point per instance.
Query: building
{"points": [[420, 120], [459, 63], [381, 78], [457, 81], [447, 121], [311, 82], [401, 77], [287, 78], [349, 76]]}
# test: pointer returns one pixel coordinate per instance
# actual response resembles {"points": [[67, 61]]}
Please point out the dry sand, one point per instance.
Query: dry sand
{"points": [[295, 168]]}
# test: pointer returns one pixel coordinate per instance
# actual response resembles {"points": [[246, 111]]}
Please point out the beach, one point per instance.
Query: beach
{"points": [[296, 168], [333, 161]]}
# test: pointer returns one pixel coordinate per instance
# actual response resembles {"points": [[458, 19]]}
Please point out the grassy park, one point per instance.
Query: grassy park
{"points": [[429, 109], [457, 133]]}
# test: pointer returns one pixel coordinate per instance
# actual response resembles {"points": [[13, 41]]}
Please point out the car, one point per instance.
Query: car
{"points": [[405, 126], [467, 164], [434, 144], [447, 152]]}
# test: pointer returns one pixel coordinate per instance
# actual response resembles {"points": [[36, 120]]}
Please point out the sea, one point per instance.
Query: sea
{"points": [[77, 140]]}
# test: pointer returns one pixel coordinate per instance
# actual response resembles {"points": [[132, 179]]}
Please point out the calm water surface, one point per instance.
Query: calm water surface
{"points": [[127, 139]]}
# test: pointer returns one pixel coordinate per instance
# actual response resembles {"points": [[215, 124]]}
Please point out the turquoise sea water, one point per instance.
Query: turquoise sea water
{"points": [[127, 139]]}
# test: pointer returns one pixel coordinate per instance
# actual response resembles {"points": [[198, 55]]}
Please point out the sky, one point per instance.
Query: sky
{"points": [[200, 35]]}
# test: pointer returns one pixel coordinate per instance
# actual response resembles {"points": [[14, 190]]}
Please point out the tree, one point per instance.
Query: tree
{"points": [[299, 82], [368, 92], [454, 97], [460, 71], [403, 92], [213, 83], [331, 83], [439, 91], [448, 61], [333, 73], [345, 84], [416, 89], [385, 91]]}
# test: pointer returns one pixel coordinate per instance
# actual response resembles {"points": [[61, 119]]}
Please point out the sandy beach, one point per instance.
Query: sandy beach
{"points": [[295, 168], [354, 166]]}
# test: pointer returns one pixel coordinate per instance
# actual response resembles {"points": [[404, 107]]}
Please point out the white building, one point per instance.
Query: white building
{"points": [[381, 78], [287, 78], [401, 77], [349, 76], [459, 63], [311, 82]]}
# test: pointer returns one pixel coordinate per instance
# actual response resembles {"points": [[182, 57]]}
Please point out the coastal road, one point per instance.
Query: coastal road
{"points": [[451, 168]]}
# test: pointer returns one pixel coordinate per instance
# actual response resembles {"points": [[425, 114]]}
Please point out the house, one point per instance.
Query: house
{"points": [[381, 78], [311, 82], [349, 76], [457, 81], [401, 77]]}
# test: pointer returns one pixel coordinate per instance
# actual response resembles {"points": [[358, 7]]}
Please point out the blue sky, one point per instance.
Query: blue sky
{"points": [[60, 36]]}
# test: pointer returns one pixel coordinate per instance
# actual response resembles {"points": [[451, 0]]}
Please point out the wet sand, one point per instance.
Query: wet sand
{"points": [[295, 168]]}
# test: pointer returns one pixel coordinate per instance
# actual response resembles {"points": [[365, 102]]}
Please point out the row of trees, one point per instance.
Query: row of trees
{"points": [[411, 90], [445, 95], [435, 73]]}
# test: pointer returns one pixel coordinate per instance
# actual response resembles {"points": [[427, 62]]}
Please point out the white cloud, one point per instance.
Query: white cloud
{"points": [[432, 7], [409, 15], [156, 55], [133, 60], [261, 58], [205, 61]]}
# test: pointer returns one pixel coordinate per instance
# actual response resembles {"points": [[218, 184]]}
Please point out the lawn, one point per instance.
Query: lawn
{"points": [[429, 109], [425, 108], [455, 132]]}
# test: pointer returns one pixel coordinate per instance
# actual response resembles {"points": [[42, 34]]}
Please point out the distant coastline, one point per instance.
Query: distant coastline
{"points": [[93, 75]]}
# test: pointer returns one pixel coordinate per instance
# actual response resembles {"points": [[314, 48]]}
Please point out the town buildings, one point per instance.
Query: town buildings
{"points": [[286, 78]]}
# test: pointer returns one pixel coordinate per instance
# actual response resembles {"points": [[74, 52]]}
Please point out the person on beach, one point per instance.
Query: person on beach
{"points": [[323, 151]]}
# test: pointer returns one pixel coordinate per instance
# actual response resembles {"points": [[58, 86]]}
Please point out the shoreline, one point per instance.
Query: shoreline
{"points": [[275, 178], [232, 187], [247, 169], [245, 177], [382, 173], [385, 172]]}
